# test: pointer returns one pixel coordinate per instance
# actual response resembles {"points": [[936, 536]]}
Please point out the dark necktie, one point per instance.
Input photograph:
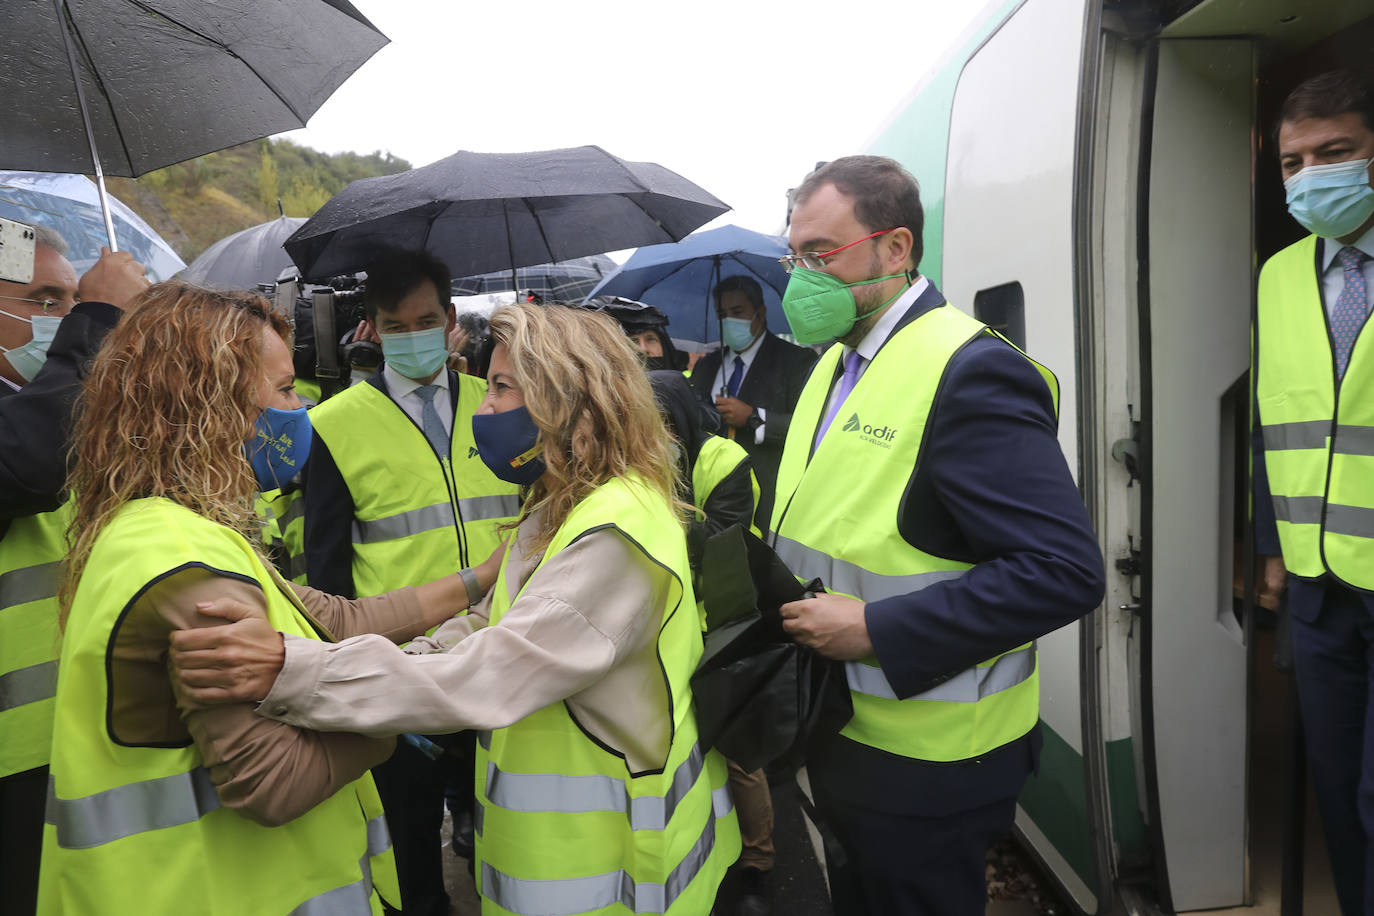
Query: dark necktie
{"points": [[430, 422], [1352, 306], [736, 376]]}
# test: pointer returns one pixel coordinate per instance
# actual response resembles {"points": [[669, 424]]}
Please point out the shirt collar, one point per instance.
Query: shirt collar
{"points": [[400, 386], [1331, 248], [878, 334]]}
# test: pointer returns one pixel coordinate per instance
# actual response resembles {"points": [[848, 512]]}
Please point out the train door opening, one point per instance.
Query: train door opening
{"points": [[1219, 746]]}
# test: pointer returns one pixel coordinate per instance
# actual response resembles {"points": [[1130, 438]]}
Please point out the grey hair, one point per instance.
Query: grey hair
{"points": [[51, 238]]}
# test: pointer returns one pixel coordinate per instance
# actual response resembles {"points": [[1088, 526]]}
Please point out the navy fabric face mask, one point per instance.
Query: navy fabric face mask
{"points": [[280, 444], [508, 443]]}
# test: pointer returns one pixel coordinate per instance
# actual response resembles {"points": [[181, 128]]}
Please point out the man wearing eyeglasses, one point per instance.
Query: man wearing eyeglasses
{"points": [[923, 483], [47, 341]]}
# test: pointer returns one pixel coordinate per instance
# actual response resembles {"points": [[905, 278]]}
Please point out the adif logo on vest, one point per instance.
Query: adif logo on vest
{"points": [[881, 435]]}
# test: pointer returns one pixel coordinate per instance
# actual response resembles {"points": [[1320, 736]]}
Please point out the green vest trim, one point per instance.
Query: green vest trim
{"points": [[31, 553], [832, 523], [563, 826], [416, 515], [1318, 431]]}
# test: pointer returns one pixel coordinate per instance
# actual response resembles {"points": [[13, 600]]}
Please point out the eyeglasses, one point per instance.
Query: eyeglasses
{"points": [[45, 303], [815, 260]]}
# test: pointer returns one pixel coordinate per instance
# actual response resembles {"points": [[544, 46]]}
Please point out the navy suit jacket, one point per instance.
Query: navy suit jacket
{"points": [[990, 487], [35, 421]]}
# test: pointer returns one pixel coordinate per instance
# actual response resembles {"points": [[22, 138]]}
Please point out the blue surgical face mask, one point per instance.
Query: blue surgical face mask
{"points": [[28, 358], [280, 444], [416, 354], [1331, 200], [738, 333], [509, 444]]}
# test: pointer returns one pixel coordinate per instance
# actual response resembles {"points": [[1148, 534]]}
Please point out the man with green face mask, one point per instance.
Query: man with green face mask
{"points": [[1313, 448], [923, 484], [395, 494]]}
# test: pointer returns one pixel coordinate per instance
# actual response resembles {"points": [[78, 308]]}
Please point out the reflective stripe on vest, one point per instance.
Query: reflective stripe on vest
{"points": [[562, 824], [446, 513], [968, 686], [439, 515], [1318, 430], [582, 794], [28, 685], [594, 892], [355, 897], [135, 807], [31, 551], [841, 527], [32, 583], [850, 578]]}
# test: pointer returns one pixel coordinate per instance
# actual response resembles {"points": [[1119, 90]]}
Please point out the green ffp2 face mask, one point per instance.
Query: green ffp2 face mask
{"points": [[820, 308]]}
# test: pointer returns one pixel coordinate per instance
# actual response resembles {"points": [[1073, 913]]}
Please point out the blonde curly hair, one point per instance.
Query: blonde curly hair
{"points": [[585, 388], [165, 411]]}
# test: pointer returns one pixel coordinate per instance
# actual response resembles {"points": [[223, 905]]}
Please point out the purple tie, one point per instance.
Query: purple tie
{"points": [[1352, 305], [852, 363]]}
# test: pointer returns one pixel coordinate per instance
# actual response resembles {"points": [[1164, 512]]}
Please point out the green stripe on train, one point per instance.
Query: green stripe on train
{"points": [[1056, 800]]}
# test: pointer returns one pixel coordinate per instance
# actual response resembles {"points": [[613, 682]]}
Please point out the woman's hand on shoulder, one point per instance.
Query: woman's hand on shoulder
{"points": [[237, 663]]}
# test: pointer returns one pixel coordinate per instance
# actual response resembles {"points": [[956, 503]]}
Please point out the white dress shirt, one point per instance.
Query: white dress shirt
{"points": [[402, 391], [1333, 275]]}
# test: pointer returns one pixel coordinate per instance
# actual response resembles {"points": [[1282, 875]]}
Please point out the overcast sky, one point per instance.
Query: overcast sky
{"points": [[741, 96]]}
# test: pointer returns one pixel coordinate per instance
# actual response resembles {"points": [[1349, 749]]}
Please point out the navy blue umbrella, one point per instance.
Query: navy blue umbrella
{"points": [[679, 277], [480, 212]]}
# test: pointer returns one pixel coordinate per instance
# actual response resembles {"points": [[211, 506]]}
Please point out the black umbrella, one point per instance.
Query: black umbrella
{"points": [[567, 281], [245, 259], [481, 212], [127, 86]]}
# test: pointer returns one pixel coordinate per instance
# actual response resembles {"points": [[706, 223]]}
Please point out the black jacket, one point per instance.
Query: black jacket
{"points": [[35, 421], [774, 382]]}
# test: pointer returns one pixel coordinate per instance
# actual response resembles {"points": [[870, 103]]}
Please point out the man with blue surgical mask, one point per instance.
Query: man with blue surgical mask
{"points": [[396, 494], [1314, 474], [753, 381]]}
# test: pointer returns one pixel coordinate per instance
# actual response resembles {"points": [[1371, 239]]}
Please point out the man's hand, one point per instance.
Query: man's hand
{"points": [[733, 410], [490, 568], [457, 340], [833, 625], [115, 278], [1274, 578], [230, 664], [365, 331]]}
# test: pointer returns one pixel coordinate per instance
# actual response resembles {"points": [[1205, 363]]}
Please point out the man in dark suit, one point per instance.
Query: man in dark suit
{"points": [[1314, 374], [923, 482], [758, 384]]}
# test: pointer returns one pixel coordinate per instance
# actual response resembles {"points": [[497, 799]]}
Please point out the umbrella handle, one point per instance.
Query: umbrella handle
{"points": [[63, 15]]}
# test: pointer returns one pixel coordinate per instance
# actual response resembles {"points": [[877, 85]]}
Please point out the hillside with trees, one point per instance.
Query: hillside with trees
{"points": [[198, 202]]}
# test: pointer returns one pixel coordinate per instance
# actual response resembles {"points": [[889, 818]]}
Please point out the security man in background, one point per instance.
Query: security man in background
{"points": [[50, 330], [1314, 384], [923, 483], [755, 384], [395, 494]]}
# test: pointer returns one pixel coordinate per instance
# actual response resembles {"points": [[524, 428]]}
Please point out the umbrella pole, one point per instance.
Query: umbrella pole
{"points": [[61, 7]]}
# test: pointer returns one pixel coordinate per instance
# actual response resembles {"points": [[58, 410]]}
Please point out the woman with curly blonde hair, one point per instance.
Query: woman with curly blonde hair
{"points": [[156, 803], [593, 791]]}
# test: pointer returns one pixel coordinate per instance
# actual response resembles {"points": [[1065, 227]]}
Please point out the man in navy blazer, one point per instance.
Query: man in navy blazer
{"points": [[757, 388], [991, 490]]}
